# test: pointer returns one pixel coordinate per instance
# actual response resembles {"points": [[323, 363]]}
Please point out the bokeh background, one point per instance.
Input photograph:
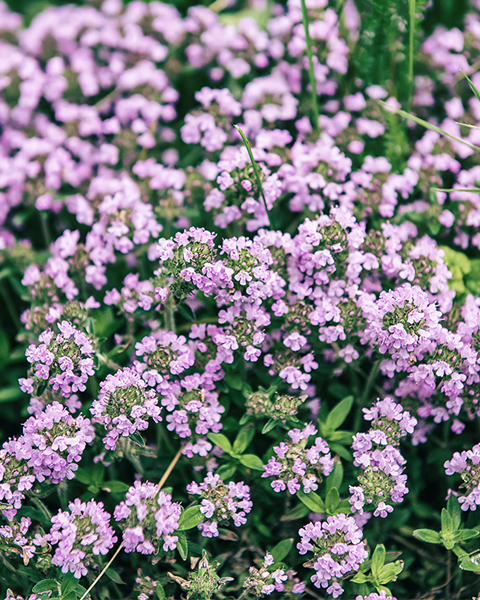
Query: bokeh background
{"points": [[446, 12]]}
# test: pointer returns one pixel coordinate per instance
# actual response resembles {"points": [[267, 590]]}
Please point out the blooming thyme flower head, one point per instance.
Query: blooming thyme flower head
{"points": [[124, 405], [221, 502], [270, 578], [80, 534], [15, 478], [382, 480], [467, 465], [52, 442], [149, 517], [337, 548], [198, 411], [63, 361], [165, 352], [297, 467]]}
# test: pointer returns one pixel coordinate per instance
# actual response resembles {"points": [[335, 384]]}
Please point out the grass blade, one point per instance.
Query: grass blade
{"points": [[448, 190], [311, 71], [467, 125], [411, 49], [427, 125], [255, 168], [470, 83]]}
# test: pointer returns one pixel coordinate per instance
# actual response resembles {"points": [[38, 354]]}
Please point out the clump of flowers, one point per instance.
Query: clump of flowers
{"points": [[269, 578], [15, 478], [53, 442], [80, 534], [63, 361], [221, 503], [338, 550], [124, 405], [164, 352], [467, 465], [148, 519], [296, 467], [374, 596], [376, 452]]}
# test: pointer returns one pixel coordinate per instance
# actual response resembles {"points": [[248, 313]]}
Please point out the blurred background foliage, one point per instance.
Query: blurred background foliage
{"points": [[440, 12]]}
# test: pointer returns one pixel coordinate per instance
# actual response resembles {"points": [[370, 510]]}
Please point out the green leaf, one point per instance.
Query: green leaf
{"points": [[280, 551], [115, 487], [243, 439], [221, 441], [464, 534], [114, 576], [340, 437], [226, 471], [336, 476], [378, 560], [332, 500], [312, 501], [190, 518], [341, 451], [469, 565], [453, 507], [360, 578], [160, 591], [390, 572], [447, 522], [182, 547], [98, 473], [339, 413], [251, 461], [299, 512], [269, 425], [70, 596], [427, 535], [83, 476], [245, 418], [426, 124], [47, 585]]}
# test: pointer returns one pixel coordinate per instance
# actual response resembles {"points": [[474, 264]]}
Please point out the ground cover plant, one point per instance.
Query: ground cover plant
{"points": [[240, 301]]}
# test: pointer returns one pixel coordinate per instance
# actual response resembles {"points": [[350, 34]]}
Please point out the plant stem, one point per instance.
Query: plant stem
{"points": [[169, 313], [102, 572], [46, 233], [411, 41], [169, 469], [117, 551], [255, 168], [311, 70]]}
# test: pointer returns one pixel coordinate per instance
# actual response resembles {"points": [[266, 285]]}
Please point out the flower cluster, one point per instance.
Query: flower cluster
{"points": [[283, 408], [338, 550], [221, 503], [466, 464], [124, 405], [268, 579], [204, 582], [148, 519], [49, 449], [376, 452], [296, 467], [80, 534], [63, 361], [17, 540]]}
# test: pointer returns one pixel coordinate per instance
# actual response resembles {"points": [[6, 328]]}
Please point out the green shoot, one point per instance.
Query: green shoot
{"points": [[311, 71], [255, 168], [470, 83], [427, 125], [467, 125], [448, 190], [411, 49]]}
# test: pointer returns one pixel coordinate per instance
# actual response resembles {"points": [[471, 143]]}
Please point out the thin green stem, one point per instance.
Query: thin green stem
{"points": [[46, 233], [411, 49], [170, 313], [311, 70], [255, 168]]}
